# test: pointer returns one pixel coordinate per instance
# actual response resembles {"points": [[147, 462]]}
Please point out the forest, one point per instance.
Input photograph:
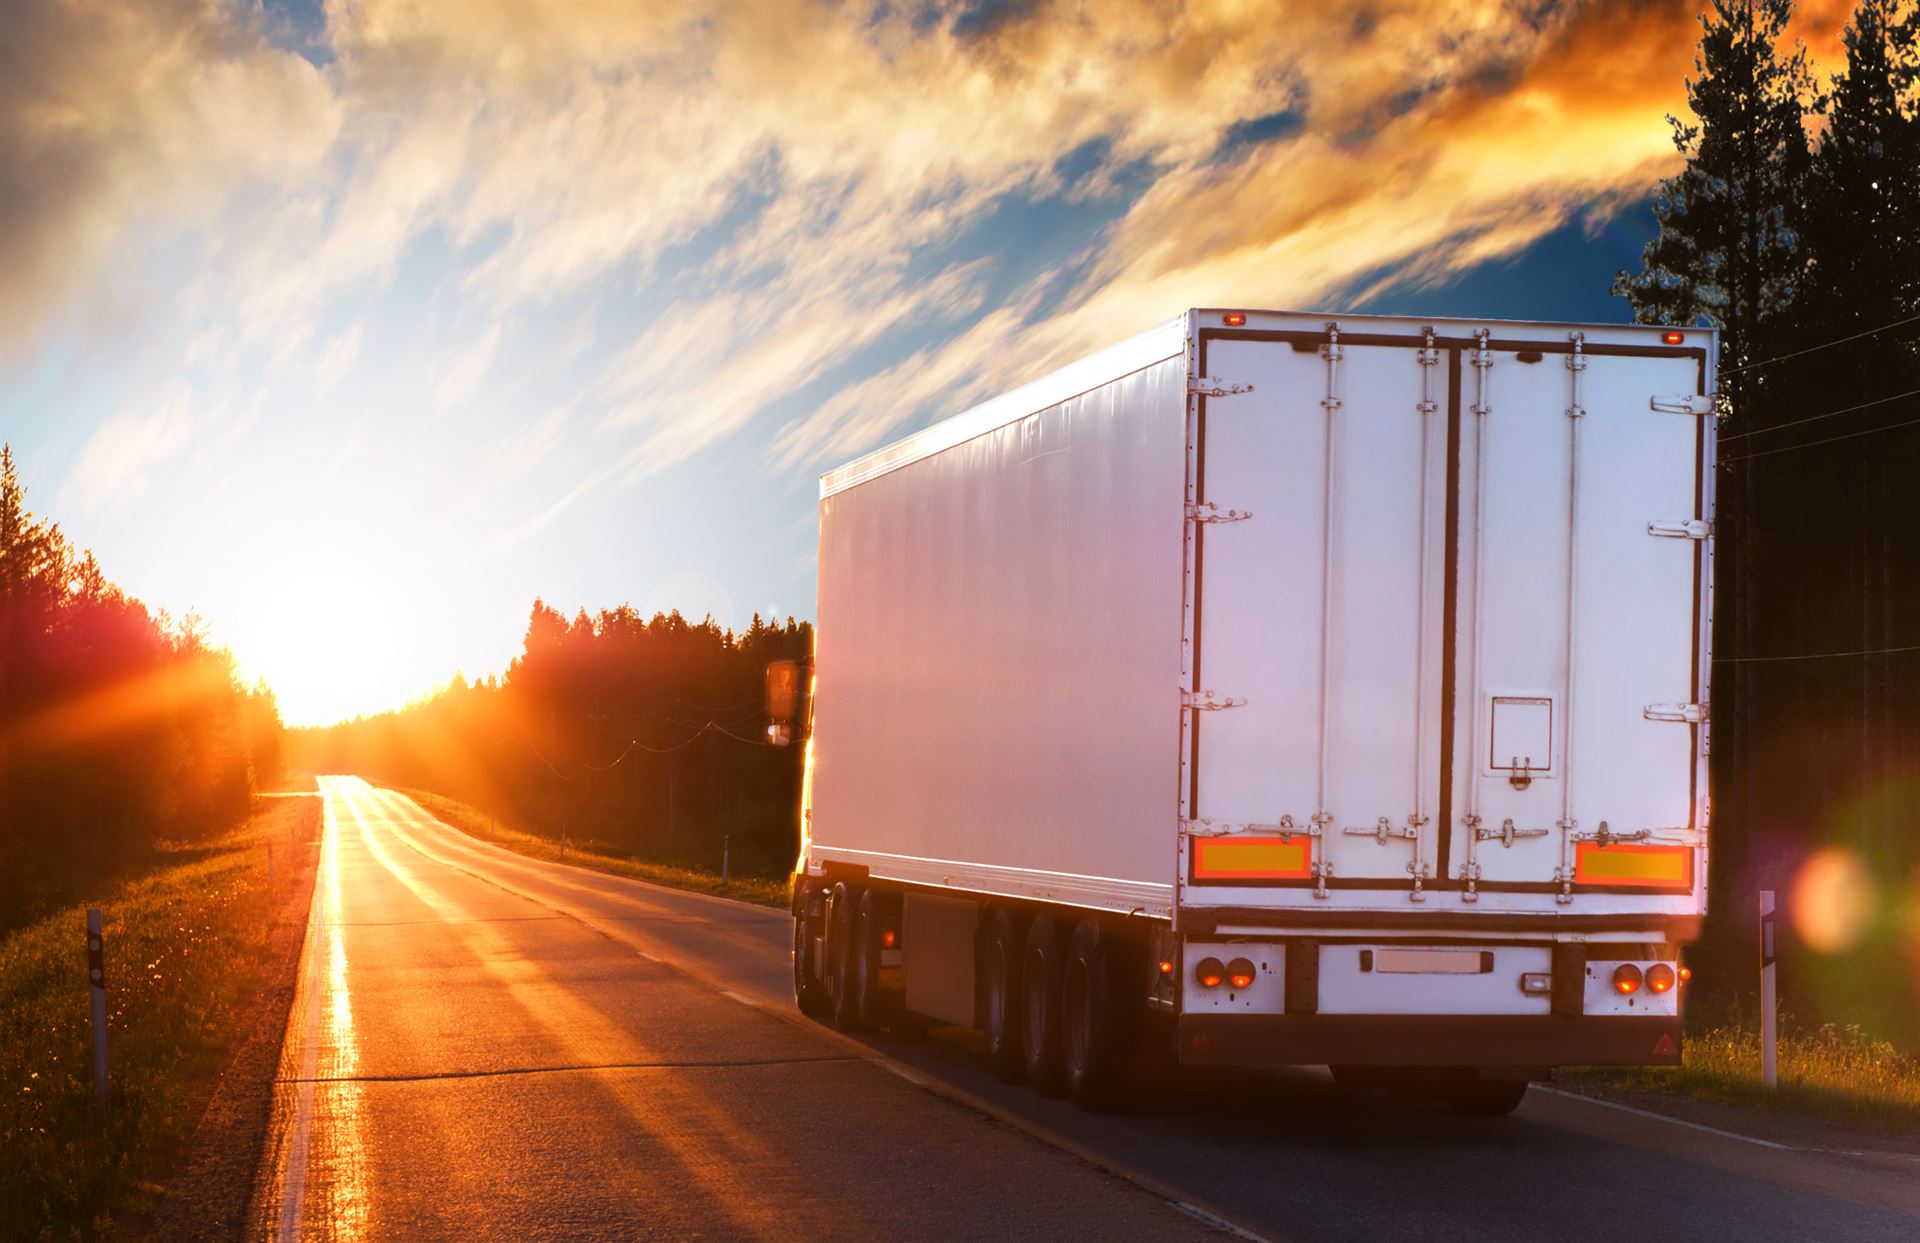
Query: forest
{"points": [[1794, 227], [119, 727], [644, 735]]}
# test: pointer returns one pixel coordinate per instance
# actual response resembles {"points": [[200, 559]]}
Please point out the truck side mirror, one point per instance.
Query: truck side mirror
{"points": [[783, 700]]}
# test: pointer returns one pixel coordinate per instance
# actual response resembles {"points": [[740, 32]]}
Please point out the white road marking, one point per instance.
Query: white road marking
{"points": [[1672, 1121], [745, 1001], [1218, 1223], [647, 956], [293, 1188], [914, 1077]]}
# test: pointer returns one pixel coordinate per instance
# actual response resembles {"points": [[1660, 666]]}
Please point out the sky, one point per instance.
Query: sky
{"points": [[353, 327]]}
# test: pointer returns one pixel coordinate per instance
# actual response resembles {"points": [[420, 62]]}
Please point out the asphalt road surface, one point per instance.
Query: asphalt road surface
{"points": [[490, 1046]]}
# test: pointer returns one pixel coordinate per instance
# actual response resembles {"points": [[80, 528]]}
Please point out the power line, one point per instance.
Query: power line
{"points": [[1825, 345], [1814, 444], [1759, 660], [1815, 418]]}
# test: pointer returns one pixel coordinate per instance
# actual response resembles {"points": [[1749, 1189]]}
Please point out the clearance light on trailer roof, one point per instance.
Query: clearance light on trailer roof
{"points": [[1252, 858], [1633, 867], [1672, 337], [1234, 319]]}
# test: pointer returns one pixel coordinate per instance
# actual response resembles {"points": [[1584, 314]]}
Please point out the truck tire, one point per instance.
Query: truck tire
{"points": [[1000, 953], [1095, 1030], [844, 1004], [870, 1002], [1040, 965], [809, 990]]}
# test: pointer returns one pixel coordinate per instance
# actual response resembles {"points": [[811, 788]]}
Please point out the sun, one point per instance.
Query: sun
{"points": [[323, 642]]}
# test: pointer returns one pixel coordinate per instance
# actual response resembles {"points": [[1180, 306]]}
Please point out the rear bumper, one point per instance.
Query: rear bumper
{"points": [[1426, 1040]]}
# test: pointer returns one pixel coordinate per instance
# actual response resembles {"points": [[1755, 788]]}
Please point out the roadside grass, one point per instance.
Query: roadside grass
{"points": [[183, 943], [1836, 1072], [600, 856]]}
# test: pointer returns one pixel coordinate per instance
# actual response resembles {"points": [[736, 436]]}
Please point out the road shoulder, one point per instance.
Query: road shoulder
{"points": [[209, 1195]]}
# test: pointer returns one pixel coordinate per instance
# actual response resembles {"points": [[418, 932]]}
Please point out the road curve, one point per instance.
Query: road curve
{"points": [[490, 1046]]}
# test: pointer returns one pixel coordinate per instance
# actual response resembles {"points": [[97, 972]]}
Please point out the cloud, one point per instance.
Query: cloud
{"points": [[116, 113], [117, 460], [337, 357], [460, 379], [754, 202]]}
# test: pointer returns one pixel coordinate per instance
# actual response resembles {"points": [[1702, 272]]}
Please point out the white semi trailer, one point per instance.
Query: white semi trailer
{"points": [[1275, 688]]}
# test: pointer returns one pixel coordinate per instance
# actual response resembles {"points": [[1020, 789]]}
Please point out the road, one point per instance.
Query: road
{"points": [[490, 1046]]}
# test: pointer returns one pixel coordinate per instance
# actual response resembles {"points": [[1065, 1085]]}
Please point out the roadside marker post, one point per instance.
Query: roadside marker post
{"points": [[1769, 999], [726, 855], [97, 985], [269, 863]]}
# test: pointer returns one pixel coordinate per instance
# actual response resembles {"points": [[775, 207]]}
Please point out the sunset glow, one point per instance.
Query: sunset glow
{"points": [[576, 300]]}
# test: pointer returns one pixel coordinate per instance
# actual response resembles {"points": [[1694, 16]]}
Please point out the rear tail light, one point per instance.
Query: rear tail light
{"points": [[1209, 972], [1240, 973], [1626, 979], [1659, 978]]}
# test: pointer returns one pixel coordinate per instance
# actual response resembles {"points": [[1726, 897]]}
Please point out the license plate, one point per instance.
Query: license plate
{"points": [[1430, 962]]}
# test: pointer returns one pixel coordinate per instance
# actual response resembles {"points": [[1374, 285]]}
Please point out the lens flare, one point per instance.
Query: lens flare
{"points": [[1833, 900]]}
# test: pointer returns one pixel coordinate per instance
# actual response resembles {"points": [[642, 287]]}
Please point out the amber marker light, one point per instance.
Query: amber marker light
{"points": [[887, 939], [1673, 338], [1626, 979], [1234, 319], [1240, 973], [1166, 966], [1209, 972], [1659, 978], [1686, 973]]}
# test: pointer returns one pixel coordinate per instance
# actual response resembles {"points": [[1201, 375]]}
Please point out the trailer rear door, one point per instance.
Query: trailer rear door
{"points": [[1384, 715]]}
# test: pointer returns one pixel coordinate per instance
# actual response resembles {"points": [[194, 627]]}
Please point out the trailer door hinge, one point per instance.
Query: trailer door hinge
{"points": [[1206, 701], [1210, 386], [1692, 714], [1684, 403], [1681, 528], [1207, 511]]}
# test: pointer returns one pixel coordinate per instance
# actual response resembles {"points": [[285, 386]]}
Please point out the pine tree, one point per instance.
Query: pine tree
{"points": [[1727, 251], [1729, 254]]}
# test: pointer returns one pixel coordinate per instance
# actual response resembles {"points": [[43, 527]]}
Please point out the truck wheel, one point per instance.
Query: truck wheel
{"points": [[1000, 955], [870, 1003], [809, 991], [1040, 1005], [1094, 1028], [845, 1004], [1487, 1098]]}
